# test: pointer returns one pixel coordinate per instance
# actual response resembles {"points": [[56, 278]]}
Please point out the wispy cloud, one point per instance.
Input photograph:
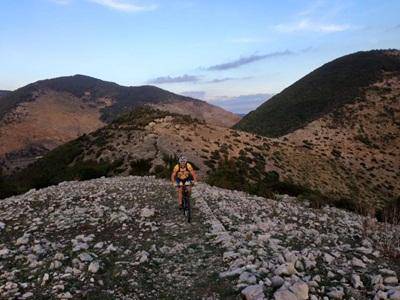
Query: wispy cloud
{"points": [[308, 25], [126, 6], [177, 79], [396, 27], [244, 60], [312, 8], [218, 80]]}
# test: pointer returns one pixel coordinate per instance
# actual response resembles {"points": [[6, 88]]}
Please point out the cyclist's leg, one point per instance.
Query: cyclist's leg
{"points": [[180, 196], [189, 187], [179, 189]]}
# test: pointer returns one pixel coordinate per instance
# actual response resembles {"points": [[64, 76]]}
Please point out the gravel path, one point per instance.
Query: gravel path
{"points": [[124, 238]]}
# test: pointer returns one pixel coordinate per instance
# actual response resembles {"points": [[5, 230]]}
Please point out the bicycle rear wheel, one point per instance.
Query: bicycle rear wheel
{"points": [[189, 209]]}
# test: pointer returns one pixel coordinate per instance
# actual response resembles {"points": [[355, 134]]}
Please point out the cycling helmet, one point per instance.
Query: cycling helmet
{"points": [[182, 159]]}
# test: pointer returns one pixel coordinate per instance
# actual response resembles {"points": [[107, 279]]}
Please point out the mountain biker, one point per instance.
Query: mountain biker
{"points": [[183, 174]]}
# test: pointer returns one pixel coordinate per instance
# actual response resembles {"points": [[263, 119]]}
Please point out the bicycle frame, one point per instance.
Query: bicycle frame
{"points": [[187, 211]]}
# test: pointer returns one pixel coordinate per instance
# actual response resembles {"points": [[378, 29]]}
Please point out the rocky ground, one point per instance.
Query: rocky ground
{"points": [[124, 238]]}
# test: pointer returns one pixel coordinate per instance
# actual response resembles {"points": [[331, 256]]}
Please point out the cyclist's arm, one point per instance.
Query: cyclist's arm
{"points": [[173, 175], [194, 175]]}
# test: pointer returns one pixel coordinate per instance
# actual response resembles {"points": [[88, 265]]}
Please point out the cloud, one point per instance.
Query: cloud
{"points": [[195, 94], [393, 28], [307, 25], [241, 104], [218, 80], [169, 79], [244, 60], [123, 5], [312, 8]]}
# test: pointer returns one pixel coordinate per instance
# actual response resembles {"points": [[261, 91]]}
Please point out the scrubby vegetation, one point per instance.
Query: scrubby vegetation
{"points": [[139, 117], [237, 174], [61, 164], [322, 91], [67, 162]]}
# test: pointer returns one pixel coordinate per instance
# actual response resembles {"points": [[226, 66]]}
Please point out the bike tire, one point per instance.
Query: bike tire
{"points": [[189, 209], [184, 193]]}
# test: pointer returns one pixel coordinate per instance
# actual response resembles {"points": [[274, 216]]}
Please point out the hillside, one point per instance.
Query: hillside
{"points": [[147, 141], [124, 238], [341, 82], [40, 116], [3, 93]]}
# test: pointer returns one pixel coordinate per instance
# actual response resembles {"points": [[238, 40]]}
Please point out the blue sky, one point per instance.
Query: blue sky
{"points": [[213, 49]]}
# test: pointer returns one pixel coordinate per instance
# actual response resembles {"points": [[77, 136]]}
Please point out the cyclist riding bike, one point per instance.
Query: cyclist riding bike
{"points": [[183, 175]]}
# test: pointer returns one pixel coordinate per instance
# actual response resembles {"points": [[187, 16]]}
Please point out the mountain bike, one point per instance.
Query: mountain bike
{"points": [[187, 208]]}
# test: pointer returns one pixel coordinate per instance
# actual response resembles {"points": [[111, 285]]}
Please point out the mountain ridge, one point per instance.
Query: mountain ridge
{"points": [[329, 87]]}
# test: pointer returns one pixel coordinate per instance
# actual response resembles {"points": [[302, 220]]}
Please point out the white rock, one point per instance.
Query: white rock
{"points": [[45, 278], [336, 293], [4, 252], [80, 246], [23, 240], [376, 280], [143, 256], [364, 250], [94, 267], [147, 212], [59, 256], [284, 295], [358, 263], [356, 281], [66, 295], [253, 292], [55, 265], [38, 249], [231, 273], [247, 277], [328, 258], [286, 269], [391, 280], [387, 272], [27, 295], [85, 257], [300, 289], [99, 245], [110, 248]]}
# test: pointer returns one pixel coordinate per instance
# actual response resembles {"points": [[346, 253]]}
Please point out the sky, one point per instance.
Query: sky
{"points": [[231, 53]]}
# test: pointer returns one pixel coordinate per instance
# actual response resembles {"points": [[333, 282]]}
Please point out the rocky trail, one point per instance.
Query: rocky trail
{"points": [[124, 238]]}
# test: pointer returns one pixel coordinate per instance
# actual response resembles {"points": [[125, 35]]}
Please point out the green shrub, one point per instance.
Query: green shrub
{"points": [[140, 167]]}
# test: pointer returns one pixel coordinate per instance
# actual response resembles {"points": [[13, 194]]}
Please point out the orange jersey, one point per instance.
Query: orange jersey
{"points": [[183, 173]]}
